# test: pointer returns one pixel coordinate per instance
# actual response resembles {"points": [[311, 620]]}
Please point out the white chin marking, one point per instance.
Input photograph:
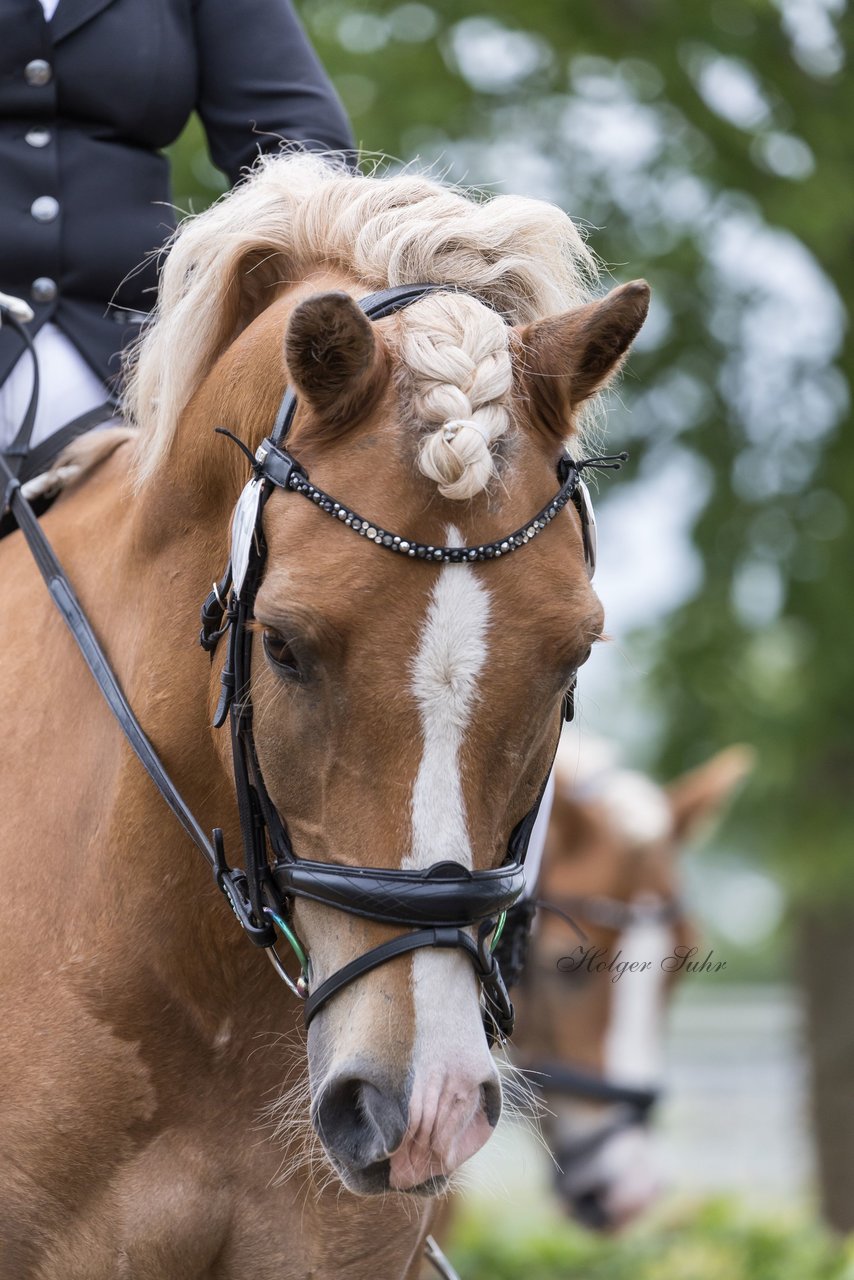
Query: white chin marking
{"points": [[450, 657]]}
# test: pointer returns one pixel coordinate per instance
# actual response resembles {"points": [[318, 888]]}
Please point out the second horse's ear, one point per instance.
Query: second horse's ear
{"points": [[698, 797], [336, 360], [568, 358]]}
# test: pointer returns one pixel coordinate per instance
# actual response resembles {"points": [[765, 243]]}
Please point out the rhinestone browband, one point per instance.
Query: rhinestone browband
{"points": [[282, 469]]}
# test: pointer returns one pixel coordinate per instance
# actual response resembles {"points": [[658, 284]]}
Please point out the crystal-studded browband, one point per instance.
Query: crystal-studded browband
{"points": [[282, 470]]}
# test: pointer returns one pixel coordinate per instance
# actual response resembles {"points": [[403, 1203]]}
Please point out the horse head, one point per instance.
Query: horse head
{"points": [[405, 712], [591, 1010]]}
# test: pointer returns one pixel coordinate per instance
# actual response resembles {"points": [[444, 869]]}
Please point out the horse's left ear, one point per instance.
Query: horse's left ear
{"points": [[568, 358], [697, 798], [336, 360]]}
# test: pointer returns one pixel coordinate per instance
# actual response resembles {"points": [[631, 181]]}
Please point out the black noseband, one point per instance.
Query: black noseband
{"points": [[444, 894], [498, 1010], [445, 898]]}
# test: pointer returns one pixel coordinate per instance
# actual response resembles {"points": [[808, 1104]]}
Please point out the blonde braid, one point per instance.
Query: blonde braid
{"points": [[457, 352]]}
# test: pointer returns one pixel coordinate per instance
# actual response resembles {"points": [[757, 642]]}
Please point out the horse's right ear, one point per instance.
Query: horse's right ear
{"points": [[569, 357], [336, 360]]}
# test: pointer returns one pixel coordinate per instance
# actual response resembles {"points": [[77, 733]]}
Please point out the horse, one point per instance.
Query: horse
{"points": [[164, 1111], [591, 1011]]}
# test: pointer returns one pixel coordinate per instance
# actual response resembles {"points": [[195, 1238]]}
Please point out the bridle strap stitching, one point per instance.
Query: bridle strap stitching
{"points": [[403, 898]]}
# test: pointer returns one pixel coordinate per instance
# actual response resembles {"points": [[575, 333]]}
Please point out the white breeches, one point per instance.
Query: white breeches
{"points": [[68, 388]]}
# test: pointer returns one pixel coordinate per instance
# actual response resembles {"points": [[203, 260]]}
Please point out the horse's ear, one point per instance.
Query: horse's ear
{"points": [[568, 358], [336, 360], [697, 798]]}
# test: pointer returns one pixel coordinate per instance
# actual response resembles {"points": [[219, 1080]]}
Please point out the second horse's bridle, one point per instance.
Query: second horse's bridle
{"points": [[436, 905], [632, 1104]]}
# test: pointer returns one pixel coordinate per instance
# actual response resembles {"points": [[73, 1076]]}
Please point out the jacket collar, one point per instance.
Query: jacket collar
{"points": [[71, 14]]}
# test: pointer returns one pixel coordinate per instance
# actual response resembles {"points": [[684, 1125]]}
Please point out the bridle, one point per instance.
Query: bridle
{"points": [[436, 905]]}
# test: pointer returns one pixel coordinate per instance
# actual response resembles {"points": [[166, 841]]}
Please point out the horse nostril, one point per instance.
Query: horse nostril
{"points": [[588, 1208], [359, 1121], [490, 1092]]}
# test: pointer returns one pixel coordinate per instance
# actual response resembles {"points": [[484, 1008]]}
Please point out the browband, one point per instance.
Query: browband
{"points": [[284, 472]]}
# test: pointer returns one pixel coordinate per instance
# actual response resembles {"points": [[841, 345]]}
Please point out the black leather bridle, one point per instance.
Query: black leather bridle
{"points": [[436, 905]]}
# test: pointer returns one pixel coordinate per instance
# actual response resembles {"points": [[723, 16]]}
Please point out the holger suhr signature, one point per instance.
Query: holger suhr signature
{"points": [[682, 959]]}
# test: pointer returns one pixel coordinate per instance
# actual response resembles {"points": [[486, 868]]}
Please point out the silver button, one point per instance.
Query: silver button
{"points": [[38, 137], [43, 289], [44, 208], [38, 72]]}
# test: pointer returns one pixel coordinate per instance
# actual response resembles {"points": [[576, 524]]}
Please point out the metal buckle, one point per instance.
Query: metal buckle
{"points": [[232, 882]]}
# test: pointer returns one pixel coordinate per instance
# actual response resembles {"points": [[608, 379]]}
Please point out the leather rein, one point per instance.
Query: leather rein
{"points": [[437, 905]]}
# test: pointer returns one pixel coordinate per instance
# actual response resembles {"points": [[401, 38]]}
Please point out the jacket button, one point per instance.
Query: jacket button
{"points": [[43, 289], [38, 72], [44, 208], [38, 137]]}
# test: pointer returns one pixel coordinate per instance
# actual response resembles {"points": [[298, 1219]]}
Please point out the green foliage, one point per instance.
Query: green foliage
{"points": [[715, 1243], [739, 114]]}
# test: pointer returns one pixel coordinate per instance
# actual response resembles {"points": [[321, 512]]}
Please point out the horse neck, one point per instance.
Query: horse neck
{"points": [[142, 893]]}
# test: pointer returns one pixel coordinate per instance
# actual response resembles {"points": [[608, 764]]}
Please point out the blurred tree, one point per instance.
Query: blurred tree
{"points": [[712, 143]]}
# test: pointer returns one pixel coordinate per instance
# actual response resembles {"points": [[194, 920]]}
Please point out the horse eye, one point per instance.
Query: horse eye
{"points": [[280, 654]]}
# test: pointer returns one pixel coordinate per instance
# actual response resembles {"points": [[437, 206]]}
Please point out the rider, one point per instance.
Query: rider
{"points": [[91, 91]]}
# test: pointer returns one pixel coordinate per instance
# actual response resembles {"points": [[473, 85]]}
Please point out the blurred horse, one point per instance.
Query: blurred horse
{"points": [[590, 1029]]}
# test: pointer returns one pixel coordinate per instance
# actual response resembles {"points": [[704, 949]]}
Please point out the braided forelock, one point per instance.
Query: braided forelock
{"points": [[457, 353]]}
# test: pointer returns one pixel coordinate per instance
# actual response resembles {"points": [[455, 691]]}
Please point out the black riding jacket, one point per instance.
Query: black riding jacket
{"points": [[88, 101]]}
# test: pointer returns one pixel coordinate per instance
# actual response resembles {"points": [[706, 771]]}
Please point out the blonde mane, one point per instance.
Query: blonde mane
{"points": [[295, 214]]}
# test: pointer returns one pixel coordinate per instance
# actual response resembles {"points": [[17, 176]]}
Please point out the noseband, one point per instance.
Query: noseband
{"points": [[437, 905]]}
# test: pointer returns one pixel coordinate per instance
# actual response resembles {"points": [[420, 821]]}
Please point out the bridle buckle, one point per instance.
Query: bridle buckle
{"points": [[233, 883]]}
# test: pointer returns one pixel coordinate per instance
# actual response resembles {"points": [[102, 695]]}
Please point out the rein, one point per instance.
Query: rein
{"points": [[438, 904]]}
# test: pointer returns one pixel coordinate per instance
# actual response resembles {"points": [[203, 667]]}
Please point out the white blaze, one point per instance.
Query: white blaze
{"points": [[633, 1048], [450, 1057], [451, 655]]}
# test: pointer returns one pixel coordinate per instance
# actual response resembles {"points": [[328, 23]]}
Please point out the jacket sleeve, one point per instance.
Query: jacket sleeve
{"points": [[261, 83]]}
